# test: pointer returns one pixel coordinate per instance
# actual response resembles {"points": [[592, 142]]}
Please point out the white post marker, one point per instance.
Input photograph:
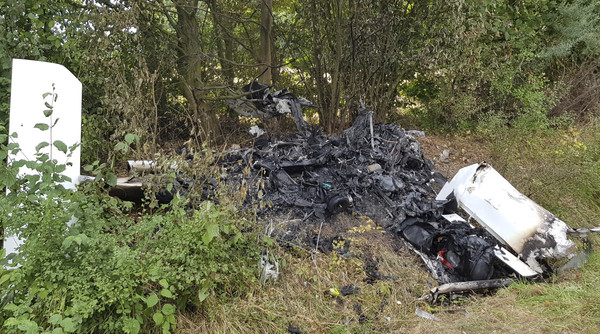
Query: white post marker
{"points": [[30, 80]]}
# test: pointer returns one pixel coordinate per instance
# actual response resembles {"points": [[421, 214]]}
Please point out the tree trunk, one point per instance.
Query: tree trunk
{"points": [[224, 43], [189, 64], [266, 21]]}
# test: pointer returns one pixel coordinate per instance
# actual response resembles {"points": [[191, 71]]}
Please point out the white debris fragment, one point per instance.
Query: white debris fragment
{"points": [[445, 156], [511, 217], [416, 133], [283, 107], [269, 268], [426, 315], [256, 131]]}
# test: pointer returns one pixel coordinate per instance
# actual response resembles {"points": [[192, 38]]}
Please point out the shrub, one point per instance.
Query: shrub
{"points": [[91, 264]]}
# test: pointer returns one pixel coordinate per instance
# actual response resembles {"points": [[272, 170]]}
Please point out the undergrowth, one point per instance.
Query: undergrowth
{"points": [[90, 263]]}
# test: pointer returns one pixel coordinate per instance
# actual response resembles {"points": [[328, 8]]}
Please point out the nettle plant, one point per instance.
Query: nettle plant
{"points": [[90, 264]]}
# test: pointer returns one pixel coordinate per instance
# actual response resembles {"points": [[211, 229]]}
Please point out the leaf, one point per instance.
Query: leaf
{"points": [[11, 307], [48, 112], [203, 294], [5, 277], [158, 318], [84, 239], [28, 326], [163, 282], [171, 319], [55, 121], [168, 309], [152, 300], [46, 94], [48, 105], [41, 146], [212, 231], [111, 179], [41, 126], [121, 146], [131, 326], [60, 146], [68, 325], [130, 138], [67, 242], [166, 293], [55, 319]]}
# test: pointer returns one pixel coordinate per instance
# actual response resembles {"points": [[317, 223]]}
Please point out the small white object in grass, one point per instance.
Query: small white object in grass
{"points": [[256, 131]]}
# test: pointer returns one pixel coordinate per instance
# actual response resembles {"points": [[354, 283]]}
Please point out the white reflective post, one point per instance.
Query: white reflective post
{"points": [[30, 80]]}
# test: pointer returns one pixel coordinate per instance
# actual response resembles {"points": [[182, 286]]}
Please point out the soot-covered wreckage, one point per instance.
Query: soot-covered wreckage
{"points": [[379, 170]]}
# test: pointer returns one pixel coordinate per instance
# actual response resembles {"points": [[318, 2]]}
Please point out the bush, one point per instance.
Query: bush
{"points": [[90, 264]]}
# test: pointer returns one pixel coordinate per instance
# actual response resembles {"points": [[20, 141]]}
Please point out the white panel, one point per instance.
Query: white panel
{"points": [[30, 80], [510, 216]]}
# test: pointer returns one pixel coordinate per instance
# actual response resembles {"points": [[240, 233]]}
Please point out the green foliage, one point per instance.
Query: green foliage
{"points": [[108, 271], [492, 67], [36, 30], [89, 264], [576, 31]]}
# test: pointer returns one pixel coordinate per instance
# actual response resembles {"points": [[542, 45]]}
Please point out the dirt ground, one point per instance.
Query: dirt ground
{"points": [[462, 152]]}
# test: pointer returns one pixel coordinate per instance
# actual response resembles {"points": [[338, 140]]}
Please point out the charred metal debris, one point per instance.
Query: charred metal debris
{"points": [[379, 171]]}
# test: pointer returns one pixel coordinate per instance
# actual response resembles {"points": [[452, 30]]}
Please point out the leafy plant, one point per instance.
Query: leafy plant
{"points": [[90, 264]]}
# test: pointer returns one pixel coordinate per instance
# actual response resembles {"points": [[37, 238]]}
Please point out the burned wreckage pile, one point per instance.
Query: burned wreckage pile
{"points": [[379, 171]]}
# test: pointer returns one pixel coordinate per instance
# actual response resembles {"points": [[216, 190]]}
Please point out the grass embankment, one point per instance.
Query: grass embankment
{"points": [[557, 168]]}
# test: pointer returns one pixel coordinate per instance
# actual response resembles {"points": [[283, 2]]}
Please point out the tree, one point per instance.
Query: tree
{"points": [[266, 39]]}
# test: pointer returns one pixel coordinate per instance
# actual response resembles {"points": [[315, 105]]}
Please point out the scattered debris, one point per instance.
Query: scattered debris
{"points": [[469, 286], [332, 292], [362, 318], [445, 156], [581, 258], [371, 269], [426, 315], [349, 290], [256, 131], [141, 166], [268, 267], [416, 133], [259, 102], [294, 330], [379, 171]]}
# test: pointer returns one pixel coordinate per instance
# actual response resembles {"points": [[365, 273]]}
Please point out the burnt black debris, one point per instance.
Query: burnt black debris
{"points": [[260, 102], [462, 253], [321, 175], [375, 170], [381, 174]]}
